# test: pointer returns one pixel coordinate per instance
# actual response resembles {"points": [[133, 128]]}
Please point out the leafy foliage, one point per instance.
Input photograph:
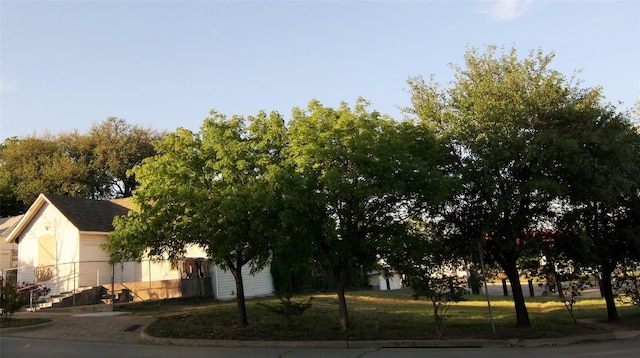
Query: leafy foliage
{"points": [[600, 225], [430, 268], [287, 308], [442, 291], [13, 298], [358, 172], [531, 147], [90, 165], [219, 189], [35, 165], [10, 301], [571, 282], [628, 284], [118, 147]]}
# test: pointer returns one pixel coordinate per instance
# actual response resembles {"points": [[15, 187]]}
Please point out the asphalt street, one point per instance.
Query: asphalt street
{"points": [[26, 347]]}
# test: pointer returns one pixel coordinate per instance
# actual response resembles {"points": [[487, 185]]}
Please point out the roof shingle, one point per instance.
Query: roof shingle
{"points": [[87, 214]]}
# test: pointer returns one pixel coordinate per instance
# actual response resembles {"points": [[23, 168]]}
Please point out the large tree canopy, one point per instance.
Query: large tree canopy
{"points": [[118, 147], [218, 189], [502, 114], [93, 165], [600, 169], [35, 165], [361, 173]]}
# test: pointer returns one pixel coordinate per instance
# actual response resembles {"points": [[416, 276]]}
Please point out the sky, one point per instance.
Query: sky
{"points": [[67, 65]]}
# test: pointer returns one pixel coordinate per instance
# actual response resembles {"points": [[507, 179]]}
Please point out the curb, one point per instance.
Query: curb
{"points": [[463, 343], [603, 337], [3, 331]]}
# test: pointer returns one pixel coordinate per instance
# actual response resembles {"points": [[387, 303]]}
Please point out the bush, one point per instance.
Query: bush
{"points": [[10, 301], [13, 298], [442, 291], [289, 309], [628, 287]]}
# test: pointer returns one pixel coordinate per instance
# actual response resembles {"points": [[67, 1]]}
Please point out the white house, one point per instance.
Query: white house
{"points": [[379, 280], [8, 250], [59, 245]]}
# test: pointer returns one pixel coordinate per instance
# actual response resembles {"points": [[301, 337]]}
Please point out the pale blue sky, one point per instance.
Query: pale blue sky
{"points": [[65, 65]]}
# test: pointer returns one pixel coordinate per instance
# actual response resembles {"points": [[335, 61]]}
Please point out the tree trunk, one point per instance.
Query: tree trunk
{"points": [[341, 276], [242, 307], [437, 317], [607, 291], [522, 316]]}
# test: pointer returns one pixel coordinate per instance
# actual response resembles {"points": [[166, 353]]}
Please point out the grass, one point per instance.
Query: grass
{"points": [[378, 315], [21, 322]]}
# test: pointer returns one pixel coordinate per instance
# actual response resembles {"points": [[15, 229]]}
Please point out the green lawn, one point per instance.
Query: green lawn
{"points": [[379, 315]]}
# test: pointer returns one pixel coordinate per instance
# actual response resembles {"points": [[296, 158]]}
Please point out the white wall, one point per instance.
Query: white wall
{"points": [[260, 284], [6, 250], [195, 251], [49, 221], [94, 267], [158, 271], [224, 285], [379, 281]]}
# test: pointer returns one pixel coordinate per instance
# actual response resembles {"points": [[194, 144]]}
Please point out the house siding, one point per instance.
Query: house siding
{"points": [[94, 267], [224, 285], [49, 222], [158, 271], [6, 251], [260, 284], [380, 282]]}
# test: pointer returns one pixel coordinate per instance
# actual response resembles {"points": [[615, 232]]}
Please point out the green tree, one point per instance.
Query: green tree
{"points": [[93, 165], [35, 165], [118, 147], [496, 116], [359, 173], [430, 267], [9, 203], [218, 189], [601, 206]]}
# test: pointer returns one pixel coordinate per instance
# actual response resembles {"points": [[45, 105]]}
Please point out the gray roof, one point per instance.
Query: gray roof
{"points": [[7, 224], [87, 214]]}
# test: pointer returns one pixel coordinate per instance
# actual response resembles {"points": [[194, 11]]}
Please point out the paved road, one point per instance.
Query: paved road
{"points": [[27, 347]]}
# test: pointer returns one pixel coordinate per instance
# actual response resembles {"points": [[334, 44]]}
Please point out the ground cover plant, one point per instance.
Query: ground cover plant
{"points": [[383, 315]]}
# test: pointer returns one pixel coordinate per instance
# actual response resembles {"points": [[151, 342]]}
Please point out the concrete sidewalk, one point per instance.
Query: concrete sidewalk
{"points": [[111, 327]]}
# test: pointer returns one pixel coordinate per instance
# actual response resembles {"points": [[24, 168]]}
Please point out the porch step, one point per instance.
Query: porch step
{"points": [[58, 300]]}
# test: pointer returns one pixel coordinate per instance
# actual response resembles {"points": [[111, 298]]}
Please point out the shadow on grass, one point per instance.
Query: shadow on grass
{"points": [[383, 315]]}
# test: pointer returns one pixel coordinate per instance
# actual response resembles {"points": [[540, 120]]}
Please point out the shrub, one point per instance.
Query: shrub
{"points": [[627, 284], [442, 291], [10, 301], [13, 298], [289, 309]]}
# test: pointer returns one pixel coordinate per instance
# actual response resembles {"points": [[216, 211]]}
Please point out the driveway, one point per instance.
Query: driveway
{"points": [[110, 327]]}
